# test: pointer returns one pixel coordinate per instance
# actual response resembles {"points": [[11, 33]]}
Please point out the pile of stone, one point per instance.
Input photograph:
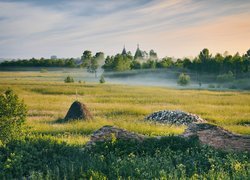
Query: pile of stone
{"points": [[174, 117], [107, 133]]}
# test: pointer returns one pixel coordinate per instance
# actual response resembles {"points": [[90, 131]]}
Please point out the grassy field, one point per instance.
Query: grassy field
{"points": [[54, 150], [48, 99]]}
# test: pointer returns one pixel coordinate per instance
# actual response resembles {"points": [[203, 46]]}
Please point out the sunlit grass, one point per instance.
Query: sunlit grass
{"points": [[119, 105]]}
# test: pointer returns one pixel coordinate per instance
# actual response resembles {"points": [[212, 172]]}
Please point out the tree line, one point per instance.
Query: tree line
{"points": [[204, 62], [42, 62]]}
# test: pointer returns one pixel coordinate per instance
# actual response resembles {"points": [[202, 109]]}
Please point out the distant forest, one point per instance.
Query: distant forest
{"points": [[204, 62], [40, 63]]}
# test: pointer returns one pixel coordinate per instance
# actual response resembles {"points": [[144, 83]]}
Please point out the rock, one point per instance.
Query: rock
{"points": [[78, 111], [174, 117], [218, 137], [107, 133]]}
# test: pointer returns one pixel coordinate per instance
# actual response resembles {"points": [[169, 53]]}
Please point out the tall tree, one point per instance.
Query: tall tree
{"points": [[93, 65], [237, 63], [246, 61], [205, 58], [86, 58]]}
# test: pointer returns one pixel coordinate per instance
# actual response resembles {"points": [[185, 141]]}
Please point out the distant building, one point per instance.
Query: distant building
{"points": [[124, 52], [139, 54], [53, 57]]}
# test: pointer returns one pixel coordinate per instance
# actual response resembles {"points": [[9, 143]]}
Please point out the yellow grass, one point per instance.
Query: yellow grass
{"points": [[124, 106]]}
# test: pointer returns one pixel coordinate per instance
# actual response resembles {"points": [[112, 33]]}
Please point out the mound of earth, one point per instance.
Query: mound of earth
{"points": [[218, 137], [207, 134], [174, 117], [78, 110], [107, 133]]}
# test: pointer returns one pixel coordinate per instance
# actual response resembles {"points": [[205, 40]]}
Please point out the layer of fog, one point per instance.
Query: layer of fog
{"points": [[155, 77]]}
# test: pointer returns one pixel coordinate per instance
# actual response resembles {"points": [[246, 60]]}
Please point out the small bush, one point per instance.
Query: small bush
{"points": [[102, 80], [12, 117], [69, 79], [183, 79]]}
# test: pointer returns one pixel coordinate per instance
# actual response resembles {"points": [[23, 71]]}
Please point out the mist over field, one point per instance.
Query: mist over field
{"points": [[144, 77]]}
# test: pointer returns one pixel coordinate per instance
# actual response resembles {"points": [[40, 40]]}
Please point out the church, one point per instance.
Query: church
{"points": [[139, 54]]}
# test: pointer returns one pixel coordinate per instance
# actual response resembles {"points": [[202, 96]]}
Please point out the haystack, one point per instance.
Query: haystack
{"points": [[78, 110]]}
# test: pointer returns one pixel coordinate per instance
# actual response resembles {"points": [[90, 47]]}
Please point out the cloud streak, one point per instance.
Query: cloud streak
{"points": [[174, 28]]}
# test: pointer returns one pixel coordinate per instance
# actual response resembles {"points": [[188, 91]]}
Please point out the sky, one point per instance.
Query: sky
{"points": [[179, 28]]}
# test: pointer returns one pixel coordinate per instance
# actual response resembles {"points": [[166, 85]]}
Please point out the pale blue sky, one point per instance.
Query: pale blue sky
{"points": [[41, 28]]}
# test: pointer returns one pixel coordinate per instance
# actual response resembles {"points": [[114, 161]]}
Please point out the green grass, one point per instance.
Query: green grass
{"points": [[120, 105], [54, 150]]}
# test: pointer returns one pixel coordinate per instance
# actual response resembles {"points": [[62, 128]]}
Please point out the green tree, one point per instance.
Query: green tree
{"points": [[109, 63], [150, 64], [93, 65], [94, 62], [237, 64], [12, 117], [219, 62], [135, 65], [99, 56], [183, 79], [122, 63], [246, 61], [165, 63], [205, 58], [187, 63], [70, 63], [86, 58]]}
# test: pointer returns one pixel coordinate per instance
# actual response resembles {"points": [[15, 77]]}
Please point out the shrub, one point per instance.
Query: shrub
{"points": [[102, 80], [227, 77], [69, 79], [12, 116], [183, 79], [43, 157]]}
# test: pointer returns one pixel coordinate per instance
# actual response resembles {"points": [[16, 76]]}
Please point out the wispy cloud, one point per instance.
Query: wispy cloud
{"points": [[175, 28]]}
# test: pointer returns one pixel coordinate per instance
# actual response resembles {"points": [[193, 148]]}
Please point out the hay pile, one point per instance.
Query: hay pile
{"points": [[78, 110]]}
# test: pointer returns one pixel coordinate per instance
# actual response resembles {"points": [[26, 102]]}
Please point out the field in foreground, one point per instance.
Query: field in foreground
{"points": [[53, 150]]}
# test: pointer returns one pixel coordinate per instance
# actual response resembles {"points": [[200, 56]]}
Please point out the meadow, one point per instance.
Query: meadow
{"points": [[48, 98], [53, 149]]}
